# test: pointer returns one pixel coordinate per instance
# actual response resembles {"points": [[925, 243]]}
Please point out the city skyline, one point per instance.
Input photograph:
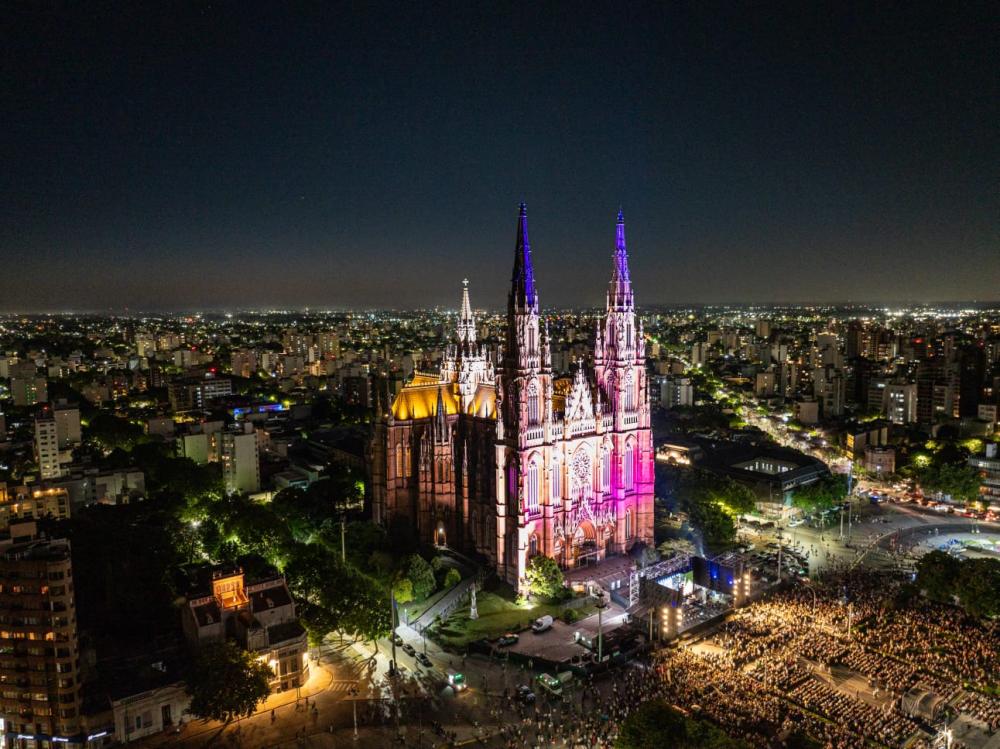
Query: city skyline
{"points": [[191, 160]]}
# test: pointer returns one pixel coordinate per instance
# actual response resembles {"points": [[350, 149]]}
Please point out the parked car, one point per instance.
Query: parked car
{"points": [[541, 624], [408, 649], [525, 695], [510, 638], [424, 661]]}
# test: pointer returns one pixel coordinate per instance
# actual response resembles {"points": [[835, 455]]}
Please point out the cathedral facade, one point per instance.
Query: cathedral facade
{"points": [[504, 460]]}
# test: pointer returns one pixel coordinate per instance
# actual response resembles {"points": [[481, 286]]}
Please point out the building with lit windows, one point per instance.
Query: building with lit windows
{"points": [[39, 658], [259, 615], [47, 445], [507, 460], [32, 503], [239, 454]]}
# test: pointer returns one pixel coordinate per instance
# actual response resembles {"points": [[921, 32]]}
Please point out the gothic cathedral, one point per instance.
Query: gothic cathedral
{"points": [[505, 461]]}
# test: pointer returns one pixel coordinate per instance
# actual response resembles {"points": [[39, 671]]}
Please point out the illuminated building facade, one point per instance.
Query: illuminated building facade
{"points": [[39, 659], [260, 615], [28, 503], [506, 460]]}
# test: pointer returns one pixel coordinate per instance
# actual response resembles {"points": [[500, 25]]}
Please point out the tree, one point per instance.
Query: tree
{"points": [[451, 578], [225, 682], [979, 587], [654, 725], [544, 577], [108, 432], [402, 590], [957, 481], [821, 495], [421, 575], [714, 523], [937, 574]]}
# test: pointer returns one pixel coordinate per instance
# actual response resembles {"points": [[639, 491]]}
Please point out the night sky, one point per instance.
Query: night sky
{"points": [[234, 155]]}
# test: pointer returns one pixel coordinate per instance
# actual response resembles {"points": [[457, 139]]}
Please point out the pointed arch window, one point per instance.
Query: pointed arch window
{"points": [[629, 466], [532, 545], [556, 478], [628, 523], [399, 460], [531, 487], [629, 394], [533, 405], [605, 470]]}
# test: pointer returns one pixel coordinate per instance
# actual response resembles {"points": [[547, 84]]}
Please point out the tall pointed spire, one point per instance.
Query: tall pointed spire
{"points": [[522, 291], [620, 288], [466, 322]]}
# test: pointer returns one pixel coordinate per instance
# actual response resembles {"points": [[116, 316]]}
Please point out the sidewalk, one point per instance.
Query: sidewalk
{"points": [[321, 679]]}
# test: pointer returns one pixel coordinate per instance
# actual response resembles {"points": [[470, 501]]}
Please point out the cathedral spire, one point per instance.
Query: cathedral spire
{"points": [[620, 288], [466, 322], [522, 282]]}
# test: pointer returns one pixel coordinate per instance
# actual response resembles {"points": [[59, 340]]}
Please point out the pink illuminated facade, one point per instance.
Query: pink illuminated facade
{"points": [[505, 460]]}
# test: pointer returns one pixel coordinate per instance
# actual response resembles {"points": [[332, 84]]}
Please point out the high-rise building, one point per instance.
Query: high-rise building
{"points": [[68, 431], [972, 378], [27, 390], [238, 453], [40, 696], [296, 343], [244, 362], [329, 344], [47, 445], [514, 462], [900, 403], [676, 391], [28, 503], [145, 344], [190, 393]]}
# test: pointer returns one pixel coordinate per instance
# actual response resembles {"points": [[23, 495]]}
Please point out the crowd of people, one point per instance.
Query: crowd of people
{"points": [[829, 662]]}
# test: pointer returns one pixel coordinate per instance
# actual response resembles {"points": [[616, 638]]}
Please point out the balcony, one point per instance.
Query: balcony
{"points": [[535, 433]]}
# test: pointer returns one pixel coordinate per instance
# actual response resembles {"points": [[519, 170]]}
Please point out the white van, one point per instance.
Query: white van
{"points": [[541, 624]]}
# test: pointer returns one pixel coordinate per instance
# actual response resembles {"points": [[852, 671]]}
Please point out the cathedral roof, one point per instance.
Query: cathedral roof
{"points": [[419, 400]]}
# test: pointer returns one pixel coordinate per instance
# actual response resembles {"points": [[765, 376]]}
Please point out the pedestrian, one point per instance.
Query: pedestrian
{"points": [[272, 717]]}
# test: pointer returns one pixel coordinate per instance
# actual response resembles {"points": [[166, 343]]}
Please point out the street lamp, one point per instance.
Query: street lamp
{"points": [[354, 702], [602, 604]]}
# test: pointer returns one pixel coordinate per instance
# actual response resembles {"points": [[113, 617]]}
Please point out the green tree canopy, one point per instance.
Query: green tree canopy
{"points": [[225, 682], [544, 577], [107, 431], [421, 575], [959, 481], [974, 582], [979, 587], [656, 725], [821, 495], [452, 578], [937, 575]]}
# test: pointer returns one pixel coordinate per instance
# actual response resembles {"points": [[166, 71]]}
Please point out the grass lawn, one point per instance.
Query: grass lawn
{"points": [[497, 616]]}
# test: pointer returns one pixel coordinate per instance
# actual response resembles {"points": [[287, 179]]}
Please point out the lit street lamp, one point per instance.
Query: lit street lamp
{"points": [[602, 604]]}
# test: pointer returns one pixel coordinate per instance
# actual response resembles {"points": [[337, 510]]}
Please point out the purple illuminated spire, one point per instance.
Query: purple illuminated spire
{"points": [[620, 288], [522, 291]]}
